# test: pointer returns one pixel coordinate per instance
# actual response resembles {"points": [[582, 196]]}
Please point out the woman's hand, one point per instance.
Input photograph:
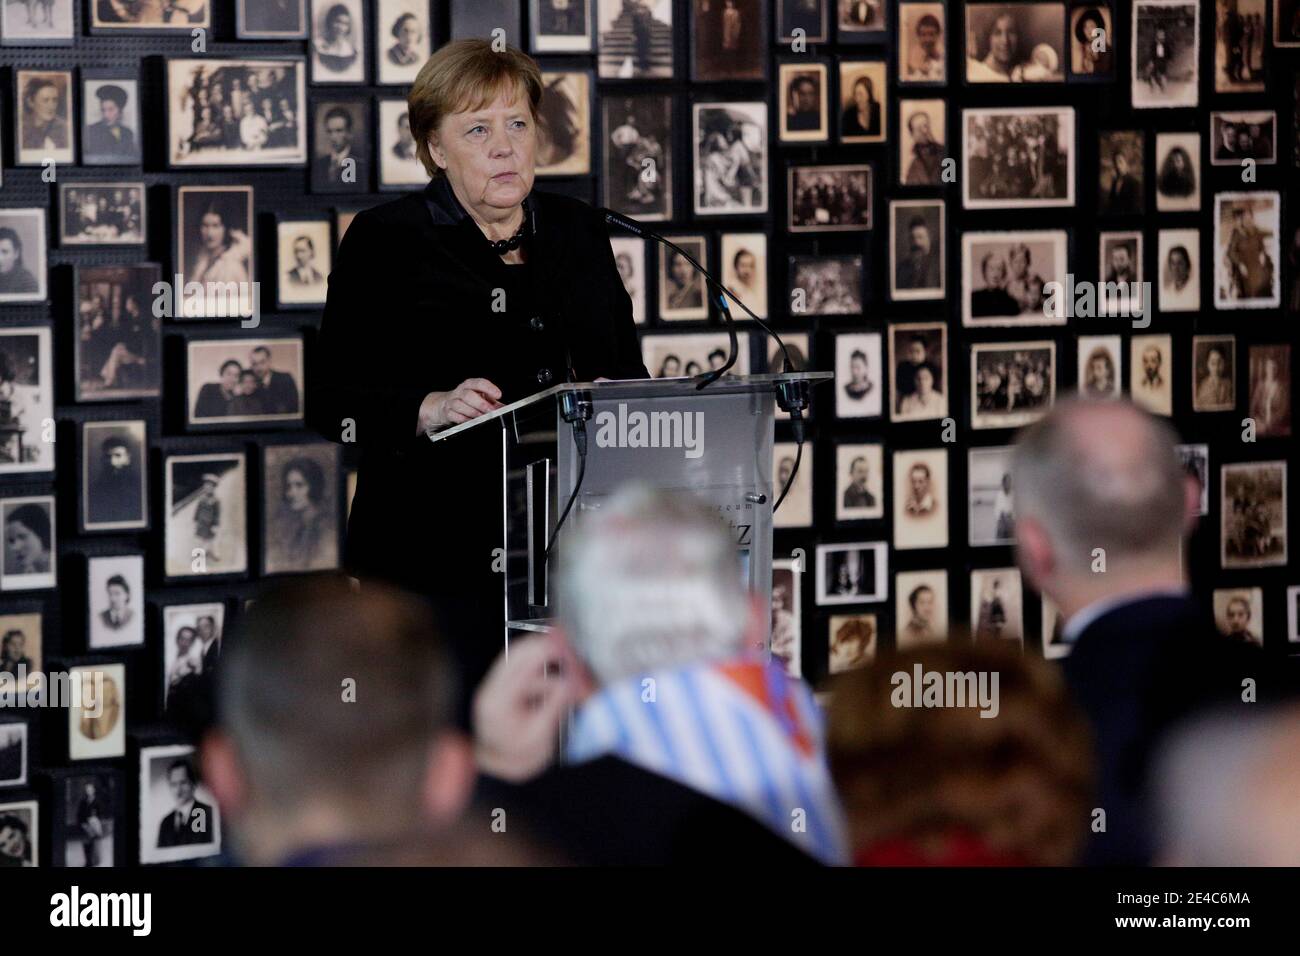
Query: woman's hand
{"points": [[470, 399]]}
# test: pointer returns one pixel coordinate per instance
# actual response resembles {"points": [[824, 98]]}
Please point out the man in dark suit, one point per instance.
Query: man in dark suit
{"points": [[109, 140], [191, 821], [277, 390], [344, 167], [1103, 505]]}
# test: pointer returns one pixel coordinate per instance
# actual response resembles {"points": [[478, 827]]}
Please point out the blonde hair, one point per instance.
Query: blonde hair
{"points": [[466, 75]]}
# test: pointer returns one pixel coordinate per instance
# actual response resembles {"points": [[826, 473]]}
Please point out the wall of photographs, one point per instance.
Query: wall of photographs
{"points": [[894, 185]]}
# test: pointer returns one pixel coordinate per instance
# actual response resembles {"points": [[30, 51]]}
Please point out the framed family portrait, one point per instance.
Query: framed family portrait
{"points": [[1247, 246], [271, 19], [804, 91], [922, 43], [102, 213], [179, 817], [303, 256], [338, 41], [829, 198], [637, 141], [1015, 42], [683, 293], [191, 654], [859, 375], [244, 381], [692, 353], [26, 399], [920, 608], [1164, 40], [921, 137], [634, 41], [1253, 514], [731, 158], [854, 573], [301, 507], [1001, 166], [110, 118], [118, 350], [215, 248], [403, 40], [1004, 277], [826, 285], [564, 124], [131, 16], [921, 499], [991, 520], [206, 512], [560, 26], [1240, 135], [863, 111], [1011, 383], [918, 356], [860, 482], [115, 601], [917, 263], [47, 23], [796, 510], [227, 112], [399, 163], [44, 124], [744, 269], [728, 40], [97, 722], [114, 475], [341, 159]]}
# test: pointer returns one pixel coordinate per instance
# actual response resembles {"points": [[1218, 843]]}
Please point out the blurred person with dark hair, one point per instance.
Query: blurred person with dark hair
{"points": [[946, 786], [1103, 506], [686, 746]]}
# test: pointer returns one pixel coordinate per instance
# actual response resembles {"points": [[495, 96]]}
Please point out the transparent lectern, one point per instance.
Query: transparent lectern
{"points": [[714, 443]]}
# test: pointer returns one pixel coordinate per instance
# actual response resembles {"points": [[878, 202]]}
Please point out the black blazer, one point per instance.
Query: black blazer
{"points": [[170, 835]]}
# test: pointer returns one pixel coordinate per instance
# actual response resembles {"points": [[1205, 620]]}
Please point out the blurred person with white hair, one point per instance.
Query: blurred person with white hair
{"points": [[687, 743], [1103, 506]]}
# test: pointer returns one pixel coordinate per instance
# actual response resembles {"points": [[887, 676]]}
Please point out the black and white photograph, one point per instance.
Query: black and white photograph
{"points": [[860, 21], [997, 606], [304, 254], [728, 40], [1150, 369], [300, 497], [152, 16], [803, 21], [1015, 42], [744, 269], [1018, 157], [1239, 135], [693, 353], [798, 349], [803, 89], [1178, 257], [1196, 462], [1090, 36], [683, 293], [228, 112], [1011, 383], [796, 510], [637, 137], [97, 722], [21, 644], [1214, 373], [44, 123], [1122, 173], [102, 214], [863, 110], [1005, 278], [1178, 172], [859, 375], [23, 268], [215, 249], [20, 834], [922, 43], [1164, 39], [114, 475], [26, 400], [89, 807], [1270, 390], [1099, 367], [1239, 41], [110, 119], [1239, 614], [399, 165], [271, 19], [561, 26], [1247, 250], [244, 381], [920, 608], [852, 640], [852, 573], [634, 39], [192, 635], [116, 601], [920, 499], [342, 160], [829, 198], [1254, 514], [480, 19], [206, 501], [992, 519], [13, 751], [119, 339], [860, 482], [1119, 264], [917, 240], [730, 158], [338, 41], [564, 124], [918, 357], [179, 817], [402, 40], [922, 128], [825, 285], [629, 259], [786, 642], [37, 23]]}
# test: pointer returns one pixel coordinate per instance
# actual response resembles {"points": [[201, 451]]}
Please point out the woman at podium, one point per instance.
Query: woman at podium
{"points": [[446, 304]]}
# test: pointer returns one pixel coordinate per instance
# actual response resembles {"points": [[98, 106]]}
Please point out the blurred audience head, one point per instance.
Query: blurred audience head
{"points": [[943, 785], [652, 581], [1225, 791], [335, 713]]}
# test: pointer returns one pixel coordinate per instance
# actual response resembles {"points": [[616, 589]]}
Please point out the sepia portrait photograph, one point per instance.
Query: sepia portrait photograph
{"points": [[826, 285], [920, 608], [21, 643], [1018, 157], [852, 573], [150, 16], [402, 40], [23, 267], [110, 119], [744, 270], [920, 499], [1196, 463], [1254, 514], [786, 642], [244, 381], [1119, 263], [1121, 167], [691, 354], [89, 813], [729, 40], [115, 600], [399, 165], [860, 482], [191, 654], [922, 43], [851, 641], [1178, 255], [20, 833], [917, 260], [1090, 34], [860, 21], [119, 339], [37, 23], [829, 198], [341, 160], [300, 500], [114, 476], [564, 124], [179, 816], [1214, 376], [922, 132], [1099, 367], [13, 749], [997, 606], [271, 19], [1239, 41], [683, 293], [1270, 390], [991, 500], [730, 158], [214, 248], [1004, 277], [1240, 135], [629, 259], [1015, 42], [97, 722], [1247, 253], [634, 39], [1239, 614], [1178, 172], [807, 21], [1150, 368], [859, 375], [803, 89], [1164, 41], [1012, 383], [637, 137], [338, 41], [561, 26], [863, 110], [248, 112], [102, 214], [918, 357], [206, 531], [26, 400], [796, 510], [43, 118], [303, 257]]}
